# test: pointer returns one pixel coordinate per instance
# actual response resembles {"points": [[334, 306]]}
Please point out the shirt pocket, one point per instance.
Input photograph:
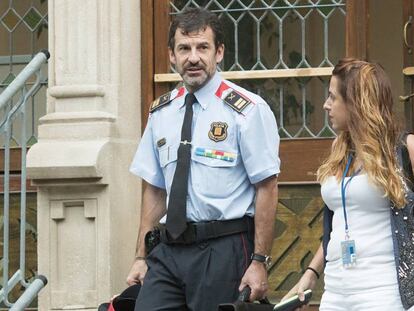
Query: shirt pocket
{"points": [[214, 177], [167, 155], [168, 163]]}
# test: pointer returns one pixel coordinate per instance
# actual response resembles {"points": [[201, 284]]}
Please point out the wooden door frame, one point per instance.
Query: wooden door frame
{"points": [[155, 21], [357, 29], [408, 10]]}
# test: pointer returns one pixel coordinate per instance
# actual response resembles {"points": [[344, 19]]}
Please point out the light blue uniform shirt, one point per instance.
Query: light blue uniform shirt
{"points": [[217, 189]]}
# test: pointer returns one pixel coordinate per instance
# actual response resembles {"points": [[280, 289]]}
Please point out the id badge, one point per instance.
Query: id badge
{"points": [[348, 253]]}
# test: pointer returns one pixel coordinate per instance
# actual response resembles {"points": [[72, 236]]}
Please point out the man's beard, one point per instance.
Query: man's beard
{"points": [[197, 80]]}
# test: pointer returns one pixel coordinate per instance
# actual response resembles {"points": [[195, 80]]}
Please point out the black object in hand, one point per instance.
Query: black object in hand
{"points": [[245, 294]]}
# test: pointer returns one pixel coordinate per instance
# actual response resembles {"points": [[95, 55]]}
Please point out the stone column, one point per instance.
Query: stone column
{"points": [[87, 200]]}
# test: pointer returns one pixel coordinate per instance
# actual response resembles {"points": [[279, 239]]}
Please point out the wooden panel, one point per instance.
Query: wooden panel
{"points": [[357, 29], [298, 229], [162, 21], [15, 159], [300, 159], [147, 58], [155, 20], [256, 74]]}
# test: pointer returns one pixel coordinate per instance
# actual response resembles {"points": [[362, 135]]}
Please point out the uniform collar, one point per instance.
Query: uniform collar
{"points": [[207, 93]]}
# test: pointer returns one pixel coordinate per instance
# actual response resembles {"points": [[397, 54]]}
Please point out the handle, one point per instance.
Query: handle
{"points": [[244, 294], [405, 98], [408, 23]]}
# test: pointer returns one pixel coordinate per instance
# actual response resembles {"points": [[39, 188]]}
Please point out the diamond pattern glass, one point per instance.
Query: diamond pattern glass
{"points": [[10, 19], [32, 19]]}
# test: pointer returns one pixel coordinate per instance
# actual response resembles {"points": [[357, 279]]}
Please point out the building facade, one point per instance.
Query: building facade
{"points": [[109, 61]]}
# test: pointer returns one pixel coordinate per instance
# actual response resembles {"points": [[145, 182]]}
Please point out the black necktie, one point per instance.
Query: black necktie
{"points": [[176, 213]]}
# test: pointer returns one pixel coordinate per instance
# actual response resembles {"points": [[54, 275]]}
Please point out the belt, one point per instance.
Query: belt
{"points": [[201, 231]]}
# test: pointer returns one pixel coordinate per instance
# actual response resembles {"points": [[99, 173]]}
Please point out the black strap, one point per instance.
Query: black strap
{"points": [[177, 205], [203, 231]]}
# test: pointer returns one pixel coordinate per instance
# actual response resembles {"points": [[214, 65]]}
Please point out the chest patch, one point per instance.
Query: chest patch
{"points": [[218, 131], [161, 142], [237, 101]]}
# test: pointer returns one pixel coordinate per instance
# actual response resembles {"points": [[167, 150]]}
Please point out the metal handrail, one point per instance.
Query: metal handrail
{"points": [[18, 85]]}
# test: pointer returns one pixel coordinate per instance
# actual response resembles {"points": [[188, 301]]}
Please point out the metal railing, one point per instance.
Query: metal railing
{"points": [[14, 112]]}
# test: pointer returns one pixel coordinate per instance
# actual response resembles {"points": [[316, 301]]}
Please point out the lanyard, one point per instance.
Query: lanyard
{"points": [[343, 188]]}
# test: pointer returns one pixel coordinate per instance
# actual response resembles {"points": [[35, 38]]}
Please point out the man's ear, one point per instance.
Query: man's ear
{"points": [[172, 56], [219, 53]]}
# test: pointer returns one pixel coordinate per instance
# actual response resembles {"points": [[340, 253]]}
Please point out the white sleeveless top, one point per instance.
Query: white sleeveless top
{"points": [[368, 213]]}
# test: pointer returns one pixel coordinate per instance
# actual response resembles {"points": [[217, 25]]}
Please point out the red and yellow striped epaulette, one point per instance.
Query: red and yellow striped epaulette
{"points": [[232, 98], [165, 99]]}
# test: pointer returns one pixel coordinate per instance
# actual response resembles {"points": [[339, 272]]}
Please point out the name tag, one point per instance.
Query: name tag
{"points": [[348, 253]]}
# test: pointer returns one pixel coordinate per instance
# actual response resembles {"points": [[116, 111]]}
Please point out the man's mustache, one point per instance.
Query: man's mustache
{"points": [[194, 68]]}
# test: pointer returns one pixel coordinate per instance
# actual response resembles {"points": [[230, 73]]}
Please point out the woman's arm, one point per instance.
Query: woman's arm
{"points": [[309, 277]]}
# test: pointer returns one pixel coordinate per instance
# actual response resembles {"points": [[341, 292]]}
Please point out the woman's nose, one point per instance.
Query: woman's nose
{"points": [[326, 105]]}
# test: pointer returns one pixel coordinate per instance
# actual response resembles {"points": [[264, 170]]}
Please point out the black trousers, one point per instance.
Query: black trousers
{"points": [[196, 277]]}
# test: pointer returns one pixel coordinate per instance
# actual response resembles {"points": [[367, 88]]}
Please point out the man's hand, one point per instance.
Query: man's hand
{"points": [[256, 278], [137, 273]]}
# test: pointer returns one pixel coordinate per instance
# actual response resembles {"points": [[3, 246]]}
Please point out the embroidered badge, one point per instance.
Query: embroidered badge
{"points": [[160, 101], [218, 131], [161, 142], [166, 99], [237, 101], [215, 154]]}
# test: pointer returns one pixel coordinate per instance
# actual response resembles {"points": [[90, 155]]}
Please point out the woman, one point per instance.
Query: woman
{"points": [[359, 182]]}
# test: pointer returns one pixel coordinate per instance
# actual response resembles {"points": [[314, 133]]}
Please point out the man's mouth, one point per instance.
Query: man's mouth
{"points": [[194, 70]]}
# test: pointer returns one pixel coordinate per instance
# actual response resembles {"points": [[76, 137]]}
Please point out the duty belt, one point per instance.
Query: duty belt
{"points": [[201, 231]]}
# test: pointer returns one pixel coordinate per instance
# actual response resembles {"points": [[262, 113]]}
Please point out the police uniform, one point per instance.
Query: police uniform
{"points": [[235, 145]]}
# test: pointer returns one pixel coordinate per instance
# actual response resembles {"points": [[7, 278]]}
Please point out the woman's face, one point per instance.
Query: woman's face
{"points": [[336, 108]]}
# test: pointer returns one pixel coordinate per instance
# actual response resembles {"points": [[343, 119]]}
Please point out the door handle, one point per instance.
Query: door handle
{"points": [[408, 23], [405, 98]]}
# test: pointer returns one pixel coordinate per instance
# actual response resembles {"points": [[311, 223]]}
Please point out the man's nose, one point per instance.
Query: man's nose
{"points": [[194, 56]]}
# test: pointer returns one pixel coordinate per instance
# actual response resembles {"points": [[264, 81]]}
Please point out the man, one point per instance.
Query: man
{"points": [[209, 154]]}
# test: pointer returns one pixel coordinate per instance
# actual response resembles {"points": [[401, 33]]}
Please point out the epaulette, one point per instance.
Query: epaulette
{"points": [[233, 98], [160, 102], [166, 99]]}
